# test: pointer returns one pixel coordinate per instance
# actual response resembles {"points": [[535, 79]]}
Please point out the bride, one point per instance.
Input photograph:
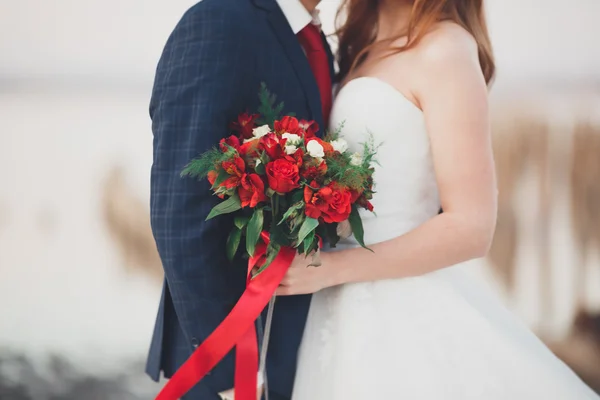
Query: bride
{"points": [[405, 321]]}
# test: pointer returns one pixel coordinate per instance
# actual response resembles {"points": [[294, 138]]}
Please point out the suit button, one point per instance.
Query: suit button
{"points": [[195, 343]]}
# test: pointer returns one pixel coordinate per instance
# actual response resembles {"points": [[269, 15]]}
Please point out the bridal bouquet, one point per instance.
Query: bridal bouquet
{"points": [[284, 183], [288, 190]]}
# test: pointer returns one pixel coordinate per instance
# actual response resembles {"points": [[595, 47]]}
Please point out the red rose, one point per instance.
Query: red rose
{"points": [[282, 175], [232, 141], [312, 171], [252, 190], [235, 168], [331, 202], [270, 144], [355, 194], [244, 125], [296, 158], [287, 124], [309, 127]]}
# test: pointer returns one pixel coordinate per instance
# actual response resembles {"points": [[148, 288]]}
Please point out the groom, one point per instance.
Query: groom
{"points": [[210, 71]]}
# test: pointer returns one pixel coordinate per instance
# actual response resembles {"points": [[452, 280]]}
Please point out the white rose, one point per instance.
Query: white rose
{"points": [[356, 159], [339, 145], [292, 138], [261, 131], [315, 149], [290, 149]]}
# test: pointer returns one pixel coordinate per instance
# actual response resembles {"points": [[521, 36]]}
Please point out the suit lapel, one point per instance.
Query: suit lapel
{"points": [[296, 55]]}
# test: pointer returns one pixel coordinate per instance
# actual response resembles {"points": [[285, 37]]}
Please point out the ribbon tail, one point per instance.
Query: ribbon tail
{"points": [[246, 366], [229, 333]]}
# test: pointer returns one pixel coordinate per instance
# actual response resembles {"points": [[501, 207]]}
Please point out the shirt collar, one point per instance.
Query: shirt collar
{"points": [[297, 15]]}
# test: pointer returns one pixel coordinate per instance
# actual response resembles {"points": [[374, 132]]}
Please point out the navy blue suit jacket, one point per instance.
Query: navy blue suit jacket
{"points": [[210, 71]]}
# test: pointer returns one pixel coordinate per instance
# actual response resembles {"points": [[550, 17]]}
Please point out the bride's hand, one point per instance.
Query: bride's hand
{"points": [[302, 278]]}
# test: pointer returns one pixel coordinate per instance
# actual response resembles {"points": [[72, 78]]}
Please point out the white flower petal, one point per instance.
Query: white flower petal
{"points": [[290, 149], [339, 145], [356, 159], [261, 131], [315, 149], [292, 138]]}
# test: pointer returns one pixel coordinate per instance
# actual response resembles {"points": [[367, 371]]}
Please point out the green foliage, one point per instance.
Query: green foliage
{"points": [[240, 221], [297, 195], [329, 232], [334, 135], [370, 151], [348, 175], [292, 211], [268, 110], [308, 226], [272, 252], [357, 227], [233, 242], [200, 166], [308, 242], [228, 206], [255, 227], [280, 234], [340, 169]]}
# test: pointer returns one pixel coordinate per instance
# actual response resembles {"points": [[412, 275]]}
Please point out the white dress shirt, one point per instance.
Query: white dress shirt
{"points": [[297, 15]]}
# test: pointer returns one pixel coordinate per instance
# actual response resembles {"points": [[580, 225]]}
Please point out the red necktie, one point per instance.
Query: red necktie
{"points": [[312, 42]]}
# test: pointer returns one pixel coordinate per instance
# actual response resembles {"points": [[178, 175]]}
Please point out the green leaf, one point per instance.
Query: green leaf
{"points": [[255, 227], [279, 235], [357, 227], [233, 242], [222, 176], [272, 252], [331, 234], [296, 223], [291, 210], [308, 242], [228, 206], [308, 226], [260, 169], [240, 221], [297, 195]]}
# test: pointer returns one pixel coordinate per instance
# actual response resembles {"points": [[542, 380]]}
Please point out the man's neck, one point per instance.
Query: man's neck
{"points": [[310, 5]]}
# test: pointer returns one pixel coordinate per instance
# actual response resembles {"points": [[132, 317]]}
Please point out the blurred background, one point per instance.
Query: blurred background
{"points": [[79, 274]]}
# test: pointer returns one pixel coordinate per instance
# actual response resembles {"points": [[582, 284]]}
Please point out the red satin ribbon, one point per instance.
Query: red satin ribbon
{"points": [[237, 329]]}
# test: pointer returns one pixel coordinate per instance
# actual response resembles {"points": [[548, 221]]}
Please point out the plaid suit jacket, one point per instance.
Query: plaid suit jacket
{"points": [[210, 71]]}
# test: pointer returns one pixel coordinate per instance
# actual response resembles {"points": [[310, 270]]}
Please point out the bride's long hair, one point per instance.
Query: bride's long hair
{"points": [[358, 31]]}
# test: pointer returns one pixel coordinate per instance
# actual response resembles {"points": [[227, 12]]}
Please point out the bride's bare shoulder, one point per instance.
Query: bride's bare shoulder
{"points": [[447, 52], [447, 42]]}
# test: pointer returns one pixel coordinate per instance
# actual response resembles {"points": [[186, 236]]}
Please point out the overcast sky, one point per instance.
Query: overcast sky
{"points": [[122, 39]]}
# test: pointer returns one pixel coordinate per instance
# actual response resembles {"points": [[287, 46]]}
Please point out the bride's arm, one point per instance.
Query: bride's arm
{"points": [[453, 96]]}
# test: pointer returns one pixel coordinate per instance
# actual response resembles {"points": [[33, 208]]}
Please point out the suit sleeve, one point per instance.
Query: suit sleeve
{"points": [[201, 85]]}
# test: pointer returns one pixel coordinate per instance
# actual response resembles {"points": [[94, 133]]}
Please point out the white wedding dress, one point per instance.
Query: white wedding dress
{"points": [[434, 337]]}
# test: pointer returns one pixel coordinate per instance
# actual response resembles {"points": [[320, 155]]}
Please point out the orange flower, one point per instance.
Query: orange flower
{"points": [[244, 125], [252, 190]]}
